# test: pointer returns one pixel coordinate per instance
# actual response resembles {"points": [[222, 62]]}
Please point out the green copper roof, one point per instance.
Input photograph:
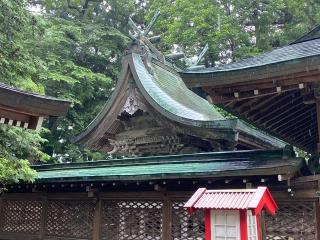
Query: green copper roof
{"points": [[175, 166], [167, 92]]}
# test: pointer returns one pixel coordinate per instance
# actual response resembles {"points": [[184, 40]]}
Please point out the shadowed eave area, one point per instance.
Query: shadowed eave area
{"points": [[277, 91], [28, 110]]}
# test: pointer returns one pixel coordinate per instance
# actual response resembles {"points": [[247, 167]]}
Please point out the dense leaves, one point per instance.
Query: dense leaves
{"points": [[234, 29]]}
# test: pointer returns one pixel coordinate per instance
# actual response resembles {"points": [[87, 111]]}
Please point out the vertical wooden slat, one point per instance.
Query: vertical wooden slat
{"points": [[318, 122], [97, 221], [263, 233], [317, 219], [44, 214], [1, 213], [166, 219]]}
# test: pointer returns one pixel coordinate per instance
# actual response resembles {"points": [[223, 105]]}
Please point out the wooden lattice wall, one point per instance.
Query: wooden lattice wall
{"points": [[131, 217]]}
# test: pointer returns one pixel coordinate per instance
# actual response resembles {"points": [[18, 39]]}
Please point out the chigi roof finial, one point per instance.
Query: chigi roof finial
{"points": [[193, 63], [138, 33], [140, 36]]}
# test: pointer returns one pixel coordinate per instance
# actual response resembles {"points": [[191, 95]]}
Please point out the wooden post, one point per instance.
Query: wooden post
{"points": [[166, 219], [316, 208], [97, 220], [263, 226], [1, 212], [43, 219], [318, 122]]}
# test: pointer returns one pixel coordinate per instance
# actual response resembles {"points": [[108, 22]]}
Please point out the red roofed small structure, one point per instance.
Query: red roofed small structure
{"points": [[232, 214]]}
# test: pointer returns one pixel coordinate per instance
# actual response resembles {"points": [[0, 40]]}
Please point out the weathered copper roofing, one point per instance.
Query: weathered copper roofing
{"points": [[233, 199], [202, 165], [287, 53], [165, 91], [275, 91]]}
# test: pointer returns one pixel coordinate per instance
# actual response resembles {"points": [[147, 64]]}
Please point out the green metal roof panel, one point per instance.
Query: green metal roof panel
{"points": [[189, 165], [287, 53], [168, 91]]}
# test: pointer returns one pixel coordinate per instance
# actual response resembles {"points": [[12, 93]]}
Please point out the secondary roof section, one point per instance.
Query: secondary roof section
{"points": [[202, 165], [26, 109], [276, 91]]}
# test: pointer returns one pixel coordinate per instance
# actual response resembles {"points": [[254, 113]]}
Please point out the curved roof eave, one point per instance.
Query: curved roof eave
{"points": [[106, 108], [171, 97]]}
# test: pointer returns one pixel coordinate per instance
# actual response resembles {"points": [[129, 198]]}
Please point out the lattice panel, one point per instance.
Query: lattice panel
{"points": [[293, 221], [132, 220], [70, 218], [184, 226], [21, 216]]}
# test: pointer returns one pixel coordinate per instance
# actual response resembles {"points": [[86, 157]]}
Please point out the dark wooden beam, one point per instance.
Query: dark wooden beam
{"points": [[282, 111], [318, 122], [264, 101], [298, 124], [305, 111], [287, 118], [283, 101]]}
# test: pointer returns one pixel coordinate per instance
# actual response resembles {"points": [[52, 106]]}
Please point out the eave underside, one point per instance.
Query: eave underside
{"points": [[280, 100]]}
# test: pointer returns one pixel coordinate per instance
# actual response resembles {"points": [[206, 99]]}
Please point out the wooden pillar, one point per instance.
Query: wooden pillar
{"points": [[317, 219], [97, 220], [43, 218], [1, 213], [318, 122], [167, 219], [263, 226]]}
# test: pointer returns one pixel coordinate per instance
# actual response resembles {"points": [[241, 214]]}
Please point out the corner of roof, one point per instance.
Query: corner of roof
{"points": [[263, 199], [193, 200], [311, 35]]}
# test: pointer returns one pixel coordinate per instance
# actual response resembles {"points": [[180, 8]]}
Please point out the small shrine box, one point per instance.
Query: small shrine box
{"points": [[232, 214]]}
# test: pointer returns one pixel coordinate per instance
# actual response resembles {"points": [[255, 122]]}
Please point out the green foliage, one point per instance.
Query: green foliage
{"points": [[12, 170], [19, 148], [234, 29]]}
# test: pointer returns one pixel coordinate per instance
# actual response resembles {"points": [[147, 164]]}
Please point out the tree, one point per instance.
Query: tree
{"points": [[234, 29]]}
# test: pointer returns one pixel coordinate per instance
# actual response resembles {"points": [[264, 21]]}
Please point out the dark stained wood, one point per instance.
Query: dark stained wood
{"points": [[43, 217], [167, 219], [97, 221], [317, 218], [35, 104], [318, 122], [304, 68], [1, 212]]}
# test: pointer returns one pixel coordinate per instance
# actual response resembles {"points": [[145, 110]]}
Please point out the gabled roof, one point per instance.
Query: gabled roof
{"points": [[233, 199], [26, 109], [164, 90], [201, 165]]}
